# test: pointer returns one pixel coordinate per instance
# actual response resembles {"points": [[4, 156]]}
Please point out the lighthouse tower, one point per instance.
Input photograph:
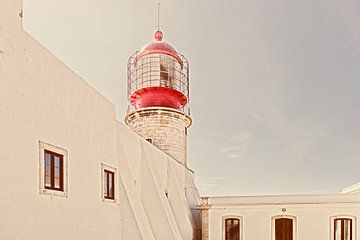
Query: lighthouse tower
{"points": [[158, 95]]}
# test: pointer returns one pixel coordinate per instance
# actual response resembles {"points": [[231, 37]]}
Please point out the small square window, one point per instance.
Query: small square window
{"points": [[53, 170]]}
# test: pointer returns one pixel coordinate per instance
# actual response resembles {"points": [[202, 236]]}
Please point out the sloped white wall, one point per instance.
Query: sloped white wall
{"points": [[41, 99]]}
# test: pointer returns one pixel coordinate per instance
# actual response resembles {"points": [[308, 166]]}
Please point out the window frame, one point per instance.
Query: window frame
{"points": [[109, 194], [55, 150], [223, 225], [343, 216], [106, 168], [273, 225], [52, 170]]}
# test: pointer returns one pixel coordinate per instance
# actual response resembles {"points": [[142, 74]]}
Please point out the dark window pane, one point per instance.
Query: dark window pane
{"points": [[232, 229], [164, 75], [53, 171], [109, 184], [111, 187], [105, 184], [283, 229]]}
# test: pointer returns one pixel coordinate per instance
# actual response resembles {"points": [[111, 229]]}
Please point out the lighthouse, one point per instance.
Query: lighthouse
{"points": [[158, 95]]}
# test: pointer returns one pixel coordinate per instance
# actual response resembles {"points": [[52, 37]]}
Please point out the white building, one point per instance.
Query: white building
{"points": [[70, 170], [288, 217]]}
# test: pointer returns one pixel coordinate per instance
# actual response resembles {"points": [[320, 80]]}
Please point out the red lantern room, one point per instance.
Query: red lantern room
{"points": [[158, 76]]}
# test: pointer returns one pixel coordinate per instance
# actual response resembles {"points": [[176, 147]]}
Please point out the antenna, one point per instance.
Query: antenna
{"points": [[158, 33], [158, 17]]}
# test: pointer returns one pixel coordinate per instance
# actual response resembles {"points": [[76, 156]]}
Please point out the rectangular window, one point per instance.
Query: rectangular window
{"points": [[342, 229], [54, 170], [283, 229], [109, 184], [232, 229]]}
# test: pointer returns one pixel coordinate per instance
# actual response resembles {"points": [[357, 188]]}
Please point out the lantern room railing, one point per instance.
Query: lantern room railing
{"points": [[158, 70], [185, 109]]}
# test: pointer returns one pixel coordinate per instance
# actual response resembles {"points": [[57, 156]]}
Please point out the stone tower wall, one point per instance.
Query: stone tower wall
{"points": [[166, 127]]}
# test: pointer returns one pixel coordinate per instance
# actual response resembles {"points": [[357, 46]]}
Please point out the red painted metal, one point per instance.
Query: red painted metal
{"points": [[158, 35], [159, 47], [157, 96]]}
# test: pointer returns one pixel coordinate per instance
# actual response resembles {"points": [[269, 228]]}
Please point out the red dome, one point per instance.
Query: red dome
{"points": [[158, 46]]}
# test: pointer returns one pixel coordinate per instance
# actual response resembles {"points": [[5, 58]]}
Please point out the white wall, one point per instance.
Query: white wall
{"points": [[43, 100]]}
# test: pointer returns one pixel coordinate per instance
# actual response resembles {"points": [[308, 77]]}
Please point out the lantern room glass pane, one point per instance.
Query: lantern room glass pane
{"points": [[167, 71]]}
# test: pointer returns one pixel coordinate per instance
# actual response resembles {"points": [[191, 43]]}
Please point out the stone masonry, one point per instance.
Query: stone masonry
{"points": [[166, 128]]}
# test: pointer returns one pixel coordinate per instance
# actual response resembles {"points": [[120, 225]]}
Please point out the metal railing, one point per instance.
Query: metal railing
{"points": [[185, 109], [158, 70]]}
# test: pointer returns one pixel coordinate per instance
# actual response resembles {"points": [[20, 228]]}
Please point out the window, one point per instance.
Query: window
{"points": [[53, 176], [283, 229], [343, 229], [109, 183], [232, 229], [54, 170], [149, 140]]}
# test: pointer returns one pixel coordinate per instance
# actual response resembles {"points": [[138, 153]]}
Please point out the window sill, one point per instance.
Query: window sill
{"points": [[52, 192], [109, 200]]}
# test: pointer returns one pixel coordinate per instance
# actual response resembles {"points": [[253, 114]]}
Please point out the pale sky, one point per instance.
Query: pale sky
{"points": [[274, 84]]}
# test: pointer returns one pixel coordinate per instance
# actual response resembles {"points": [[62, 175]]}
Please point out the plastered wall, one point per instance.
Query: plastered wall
{"points": [[42, 100], [312, 214]]}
